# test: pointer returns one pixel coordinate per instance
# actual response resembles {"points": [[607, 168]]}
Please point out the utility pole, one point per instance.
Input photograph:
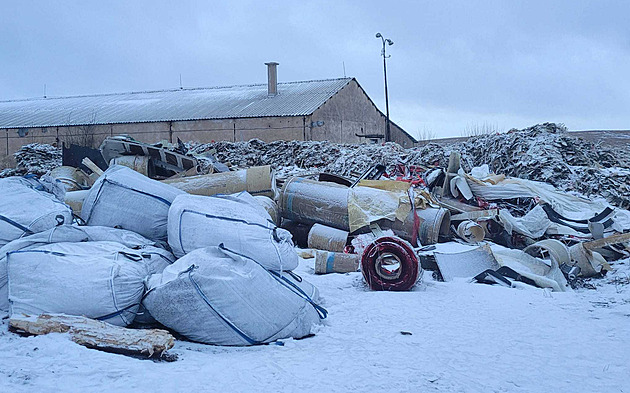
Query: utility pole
{"points": [[385, 57]]}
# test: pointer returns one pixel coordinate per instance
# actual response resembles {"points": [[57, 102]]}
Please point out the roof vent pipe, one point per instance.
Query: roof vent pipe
{"points": [[272, 79]]}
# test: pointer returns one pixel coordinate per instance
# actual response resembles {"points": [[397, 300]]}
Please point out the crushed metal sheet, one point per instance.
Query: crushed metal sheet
{"points": [[466, 264]]}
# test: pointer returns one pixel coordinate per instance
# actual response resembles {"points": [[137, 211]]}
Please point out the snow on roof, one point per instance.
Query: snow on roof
{"points": [[293, 99]]}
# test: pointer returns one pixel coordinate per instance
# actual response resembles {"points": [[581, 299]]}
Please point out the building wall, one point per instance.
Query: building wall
{"points": [[267, 129], [351, 112], [347, 113]]}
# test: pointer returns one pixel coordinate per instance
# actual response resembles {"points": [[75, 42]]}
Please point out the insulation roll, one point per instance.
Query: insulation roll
{"points": [[390, 264], [309, 201], [322, 237], [258, 180], [140, 164], [335, 262]]}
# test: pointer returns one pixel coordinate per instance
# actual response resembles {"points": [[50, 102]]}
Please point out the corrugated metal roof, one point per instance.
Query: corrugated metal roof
{"points": [[293, 99]]}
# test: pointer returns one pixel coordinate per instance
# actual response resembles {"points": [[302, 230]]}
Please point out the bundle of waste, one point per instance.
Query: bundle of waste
{"points": [[71, 240], [242, 260], [218, 296], [28, 206], [126, 199]]}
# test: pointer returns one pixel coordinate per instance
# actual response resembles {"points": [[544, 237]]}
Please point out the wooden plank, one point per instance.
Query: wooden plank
{"points": [[151, 343], [607, 241]]}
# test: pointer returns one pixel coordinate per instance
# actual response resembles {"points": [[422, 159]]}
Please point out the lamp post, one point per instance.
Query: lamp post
{"points": [[385, 57]]}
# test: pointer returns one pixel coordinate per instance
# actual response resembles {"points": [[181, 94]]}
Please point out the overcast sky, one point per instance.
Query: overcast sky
{"points": [[454, 65]]}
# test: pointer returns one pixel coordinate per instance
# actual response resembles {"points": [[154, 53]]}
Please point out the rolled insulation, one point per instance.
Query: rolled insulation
{"points": [[310, 201], [140, 164], [335, 262], [255, 180], [321, 237]]}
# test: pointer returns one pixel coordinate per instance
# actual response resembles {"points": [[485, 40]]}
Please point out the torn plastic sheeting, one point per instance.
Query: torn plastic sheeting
{"points": [[390, 264], [367, 205], [459, 186], [544, 275], [533, 225], [512, 188], [590, 262], [465, 264]]}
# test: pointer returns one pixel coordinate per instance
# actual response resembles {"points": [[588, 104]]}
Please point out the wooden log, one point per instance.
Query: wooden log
{"points": [[96, 334], [607, 241]]}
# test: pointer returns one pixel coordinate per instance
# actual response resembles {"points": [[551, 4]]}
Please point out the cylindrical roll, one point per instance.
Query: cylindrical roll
{"points": [[390, 264], [335, 262], [471, 231], [72, 178], [309, 201], [434, 222], [140, 164], [258, 180], [322, 237]]}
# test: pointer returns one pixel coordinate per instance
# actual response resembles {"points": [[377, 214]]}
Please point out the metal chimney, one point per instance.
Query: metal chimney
{"points": [[272, 79]]}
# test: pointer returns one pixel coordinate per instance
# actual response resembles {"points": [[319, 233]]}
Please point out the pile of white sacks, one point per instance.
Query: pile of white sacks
{"points": [[215, 269]]}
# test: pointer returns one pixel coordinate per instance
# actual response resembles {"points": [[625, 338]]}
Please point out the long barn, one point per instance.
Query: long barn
{"points": [[337, 110]]}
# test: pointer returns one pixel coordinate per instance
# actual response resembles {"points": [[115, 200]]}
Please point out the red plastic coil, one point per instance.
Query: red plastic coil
{"points": [[408, 264]]}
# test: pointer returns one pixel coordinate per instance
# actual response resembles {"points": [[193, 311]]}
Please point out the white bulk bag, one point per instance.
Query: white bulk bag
{"points": [[27, 208], [214, 296], [124, 198], [100, 280], [155, 258], [236, 220]]}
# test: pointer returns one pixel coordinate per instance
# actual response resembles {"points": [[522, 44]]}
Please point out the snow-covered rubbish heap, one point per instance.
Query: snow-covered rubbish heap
{"points": [[391, 212], [544, 152], [36, 158]]}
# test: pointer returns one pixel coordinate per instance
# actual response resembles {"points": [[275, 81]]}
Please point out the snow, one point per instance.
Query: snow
{"points": [[465, 338]]}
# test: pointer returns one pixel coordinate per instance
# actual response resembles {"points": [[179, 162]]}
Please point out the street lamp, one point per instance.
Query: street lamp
{"points": [[385, 57]]}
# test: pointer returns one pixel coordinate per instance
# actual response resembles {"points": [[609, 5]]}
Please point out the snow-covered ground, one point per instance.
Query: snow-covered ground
{"points": [[464, 338]]}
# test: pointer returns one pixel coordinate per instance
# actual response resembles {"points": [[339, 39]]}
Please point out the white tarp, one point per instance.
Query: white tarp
{"points": [[215, 296], [100, 280], [155, 258], [546, 274], [237, 221], [124, 198], [26, 207]]}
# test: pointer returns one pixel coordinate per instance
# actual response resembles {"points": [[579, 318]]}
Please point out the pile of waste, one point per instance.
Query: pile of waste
{"points": [[203, 244], [544, 152], [36, 158]]}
